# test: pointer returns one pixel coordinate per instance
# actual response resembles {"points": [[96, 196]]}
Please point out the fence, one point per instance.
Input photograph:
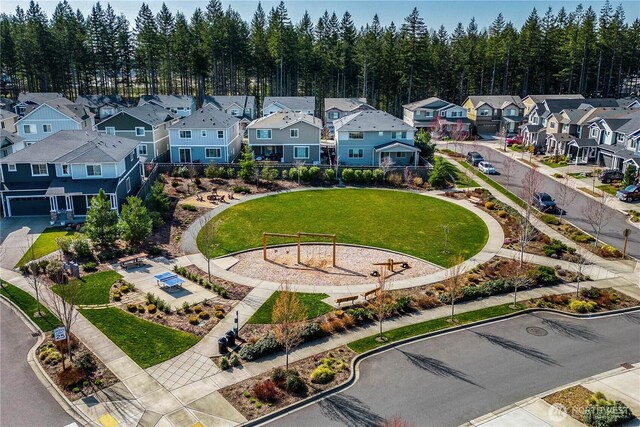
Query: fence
{"points": [[151, 171]]}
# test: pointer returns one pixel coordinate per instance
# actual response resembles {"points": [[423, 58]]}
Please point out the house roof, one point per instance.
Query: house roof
{"points": [[4, 115], [39, 97], [97, 101], [344, 104], [294, 103], [571, 115], [538, 99], [600, 113], [284, 119], [75, 146], [223, 101], [167, 101], [8, 138], [496, 101], [374, 120], [402, 145], [66, 186], [532, 127], [561, 137], [151, 114], [627, 154], [74, 111], [425, 103], [584, 142], [207, 117], [631, 124]]}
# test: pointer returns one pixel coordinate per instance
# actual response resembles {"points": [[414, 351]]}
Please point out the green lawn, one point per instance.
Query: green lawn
{"points": [[28, 304], [608, 188], [369, 343], [145, 342], [495, 185], [553, 164], [94, 288], [45, 244], [396, 220], [314, 304]]}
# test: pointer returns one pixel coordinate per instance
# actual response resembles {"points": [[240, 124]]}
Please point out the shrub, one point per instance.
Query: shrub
{"points": [[348, 176], [347, 321], [124, 289], [357, 175], [582, 306], [197, 308], [117, 296], [395, 179], [502, 213], [556, 247], [337, 325], [591, 293], [224, 363], [329, 174], [304, 173], [55, 271], [315, 173], [193, 320], [285, 174], [546, 276], [607, 416], [322, 375], [549, 219], [269, 174], [402, 304], [610, 252], [580, 237], [378, 175], [89, 266], [264, 346], [311, 331], [203, 315], [151, 308], [418, 182], [86, 362], [132, 308], [234, 360], [326, 328], [241, 189], [293, 174], [64, 243], [427, 301], [265, 390], [489, 205], [70, 377], [190, 208], [293, 383], [367, 176], [141, 309]]}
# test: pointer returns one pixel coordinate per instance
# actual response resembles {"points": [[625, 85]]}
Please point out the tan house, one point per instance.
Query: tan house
{"points": [[530, 101], [489, 114], [8, 121]]}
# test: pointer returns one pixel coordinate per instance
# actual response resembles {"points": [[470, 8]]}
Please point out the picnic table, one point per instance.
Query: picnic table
{"points": [[130, 260], [169, 280]]}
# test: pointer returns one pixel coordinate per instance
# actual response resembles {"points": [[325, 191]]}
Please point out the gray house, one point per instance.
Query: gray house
{"points": [[434, 112], [27, 101], [59, 175], [295, 104], [148, 124], [102, 106], [53, 116], [10, 143], [335, 108], [286, 137], [181, 105], [240, 106], [368, 137]]}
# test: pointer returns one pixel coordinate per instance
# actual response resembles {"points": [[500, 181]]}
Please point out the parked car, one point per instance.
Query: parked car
{"points": [[486, 167], [513, 140], [610, 175], [473, 158], [629, 193], [543, 202]]}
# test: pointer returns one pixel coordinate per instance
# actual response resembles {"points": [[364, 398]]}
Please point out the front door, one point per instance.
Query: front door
{"points": [[185, 155]]}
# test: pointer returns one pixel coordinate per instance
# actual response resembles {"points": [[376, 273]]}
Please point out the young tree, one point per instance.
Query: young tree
{"points": [[102, 222], [580, 262], [207, 238], [35, 282], [157, 200], [526, 231], [520, 277], [566, 194], [247, 165], [380, 302], [630, 175], [442, 173], [453, 279], [596, 213], [135, 223], [503, 134], [63, 306], [507, 169], [289, 317], [385, 165]]}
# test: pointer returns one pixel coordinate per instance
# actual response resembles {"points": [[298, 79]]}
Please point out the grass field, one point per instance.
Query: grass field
{"points": [[29, 305], [315, 307], [44, 244], [94, 288], [145, 342], [396, 220]]}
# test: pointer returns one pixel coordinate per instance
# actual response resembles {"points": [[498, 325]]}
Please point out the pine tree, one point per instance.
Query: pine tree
{"points": [[102, 222]]}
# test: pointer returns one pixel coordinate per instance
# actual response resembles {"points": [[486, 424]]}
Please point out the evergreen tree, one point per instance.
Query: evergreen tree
{"points": [[135, 223], [101, 225]]}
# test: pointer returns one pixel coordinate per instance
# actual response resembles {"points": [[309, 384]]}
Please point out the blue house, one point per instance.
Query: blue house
{"points": [[27, 101], [209, 135], [181, 105], [53, 116], [367, 138], [59, 175]]}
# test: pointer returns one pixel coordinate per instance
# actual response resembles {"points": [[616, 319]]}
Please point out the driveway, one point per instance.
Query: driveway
{"points": [[23, 398], [15, 235], [451, 379]]}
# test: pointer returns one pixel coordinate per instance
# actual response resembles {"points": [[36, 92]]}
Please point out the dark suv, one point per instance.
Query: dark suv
{"points": [[610, 175], [543, 202], [629, 193], [473, 158]]}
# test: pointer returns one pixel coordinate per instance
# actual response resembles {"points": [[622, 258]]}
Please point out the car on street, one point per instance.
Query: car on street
{"points": [[513, 140], [629, 193], [486, 167], [473, 158], [610, 175], [543, 202]]}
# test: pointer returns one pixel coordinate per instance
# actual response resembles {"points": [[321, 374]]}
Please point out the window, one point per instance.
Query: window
{"points": [[620, 137], [107, 111], [110, 130], [300, 152], [443, 113], [235, 112], [185, 134], [65, 169], [594, 133], [94, 170], [12, 167], [139, 131], [356, 135], [220, 134], [484, 112], [127, 182], [401, 155], [427, 113], [29, 128], [380, 133], [263, 134], [552, 125], [142, 150], [511, 112], [46, 128], [294, 133], [356, 153], [401, 135], [212, 153], [203, 133], [334, 115], [39, 169]]}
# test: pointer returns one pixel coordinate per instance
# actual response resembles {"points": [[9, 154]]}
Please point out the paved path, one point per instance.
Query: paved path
{"points": [[452, 378], [16, 236]]}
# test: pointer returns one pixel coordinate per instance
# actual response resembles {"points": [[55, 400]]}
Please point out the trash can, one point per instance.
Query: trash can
{"points": [[222, 345], [231, 338]]}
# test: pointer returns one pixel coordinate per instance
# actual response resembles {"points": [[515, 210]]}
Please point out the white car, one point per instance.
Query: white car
{"points": [[486, 167]]}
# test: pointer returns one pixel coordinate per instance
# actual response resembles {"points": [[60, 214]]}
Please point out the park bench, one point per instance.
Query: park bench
{"points": [[352, 298], [475, 200], [137, 260], [369, 293]]}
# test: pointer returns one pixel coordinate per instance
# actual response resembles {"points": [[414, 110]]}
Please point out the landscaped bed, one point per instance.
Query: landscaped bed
{"points": [[313, 302], [588, 300], [28, 304], [45, 244], [590, 408]]}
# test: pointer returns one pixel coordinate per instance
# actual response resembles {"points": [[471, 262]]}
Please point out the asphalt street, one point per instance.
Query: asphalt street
{"points": [[451, 379], [614, 223], [24, 401]]}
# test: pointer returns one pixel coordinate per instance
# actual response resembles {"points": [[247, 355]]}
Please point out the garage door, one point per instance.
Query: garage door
{"points": [[606, 160], [30, 206]]}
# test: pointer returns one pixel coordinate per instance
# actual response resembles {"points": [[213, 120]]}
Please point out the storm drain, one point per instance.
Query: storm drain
{"points": [[627, 365], [537, 331]]}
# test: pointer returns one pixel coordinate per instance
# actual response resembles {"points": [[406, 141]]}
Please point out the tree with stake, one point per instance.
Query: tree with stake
{"points": [[503, 134], [507, 170], [596, 213], [102, 222], [63, 307], [453, 278], [289, 317], [445, 230]]}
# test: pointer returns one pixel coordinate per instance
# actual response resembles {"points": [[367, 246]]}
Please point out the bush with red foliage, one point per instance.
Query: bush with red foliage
{"points": [[71, 376], [265, 390]]}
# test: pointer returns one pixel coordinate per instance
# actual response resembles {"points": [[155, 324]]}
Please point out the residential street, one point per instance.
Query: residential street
{"points": [[614, 224], [453, 378]]}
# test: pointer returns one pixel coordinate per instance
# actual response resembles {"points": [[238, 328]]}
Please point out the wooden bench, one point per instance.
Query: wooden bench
{"points": [[475, 200], [346, 299], [369, 293], [136, 260]]}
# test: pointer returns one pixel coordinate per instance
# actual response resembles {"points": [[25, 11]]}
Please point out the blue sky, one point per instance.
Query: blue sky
{"points": [[434, 12]]}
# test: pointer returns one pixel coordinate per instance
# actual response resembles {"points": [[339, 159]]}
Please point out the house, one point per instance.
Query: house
{"points": [[148, 124], [617, 140], [10, 143], [206, 136], [296, 104], [181, 105], [367, 137], [241, 106], [59, 175], [102, 106], [27, 101], [491, 113], [530, 101], [286, 137], [8, 121], [335, 108], [434, 112], [53, 116]]}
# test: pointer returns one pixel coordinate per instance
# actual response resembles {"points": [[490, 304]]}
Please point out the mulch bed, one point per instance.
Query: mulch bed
{"points": [[235, 291], [235, 393], [560, 302], [573, 399], [87, 379]]}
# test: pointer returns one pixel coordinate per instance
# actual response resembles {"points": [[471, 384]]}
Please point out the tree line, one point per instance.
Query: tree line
{"points": [[214, 51]]}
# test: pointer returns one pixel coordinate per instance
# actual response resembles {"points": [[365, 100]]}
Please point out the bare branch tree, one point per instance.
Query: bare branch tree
{"points": [[527, 232], [459, 132], [380, 302], [503, 134], [385, 165], [289, 317], [34, 281], [580, 263], [63, 307], [596, 213], [507, 170], [445, 230], [520, 277], [566, 194], [208, 240], [453, 279]]}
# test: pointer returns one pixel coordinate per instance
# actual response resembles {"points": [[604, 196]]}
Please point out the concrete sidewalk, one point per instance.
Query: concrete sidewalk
{"points": [[619, 384]]}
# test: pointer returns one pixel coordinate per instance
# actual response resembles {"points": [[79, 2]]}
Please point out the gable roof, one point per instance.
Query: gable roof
{"points": [[9, 138], [626, 125], [4, 115], [539, 98], [496, 101], [167, 101], [76, 112], [151, 114], [293, 103], [375, 120], [345, 104], [97, 101], [600, 113], [39, 97], [75, 146], [207, 117], [225, 101], [284, 119], [424, 103]]}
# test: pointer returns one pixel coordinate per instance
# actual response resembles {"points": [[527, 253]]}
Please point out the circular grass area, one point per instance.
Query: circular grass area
{"points": [[395, 220]]}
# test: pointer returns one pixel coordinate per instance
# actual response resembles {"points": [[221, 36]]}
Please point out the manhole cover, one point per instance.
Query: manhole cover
{"points": [[538, 332]]}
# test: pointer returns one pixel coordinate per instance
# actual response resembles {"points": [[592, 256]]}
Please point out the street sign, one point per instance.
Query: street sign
{"points": [[59, 334]]}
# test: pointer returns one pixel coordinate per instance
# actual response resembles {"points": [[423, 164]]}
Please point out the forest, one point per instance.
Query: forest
{"points": [[215, 52]]}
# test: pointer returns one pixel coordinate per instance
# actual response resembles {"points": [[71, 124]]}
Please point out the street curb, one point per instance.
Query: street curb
{"points": [[52, 388], [360, 357]]}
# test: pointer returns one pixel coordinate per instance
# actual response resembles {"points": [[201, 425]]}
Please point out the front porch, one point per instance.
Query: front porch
{"points": [[583, 151], [399, 153]]}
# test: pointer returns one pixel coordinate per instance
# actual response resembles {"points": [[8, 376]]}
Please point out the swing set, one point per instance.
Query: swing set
{"points": [[298, 239]]}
